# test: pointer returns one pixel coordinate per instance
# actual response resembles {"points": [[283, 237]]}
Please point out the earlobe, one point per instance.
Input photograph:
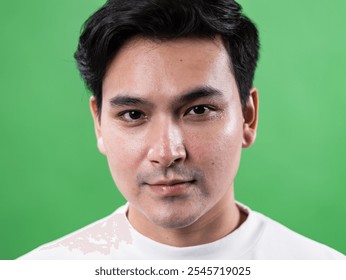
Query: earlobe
{"points": [[101, 146], [250, 119], [97, 125], [249, 137]]}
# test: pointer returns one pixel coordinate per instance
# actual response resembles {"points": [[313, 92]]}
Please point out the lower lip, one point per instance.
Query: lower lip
{"points": [[174, 190]]}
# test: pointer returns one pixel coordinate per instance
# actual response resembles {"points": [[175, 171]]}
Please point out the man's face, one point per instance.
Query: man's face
{"points": [[172, 129]]}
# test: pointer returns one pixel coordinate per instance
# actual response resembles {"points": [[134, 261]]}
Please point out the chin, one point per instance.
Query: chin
{"points": [[172, 219]]}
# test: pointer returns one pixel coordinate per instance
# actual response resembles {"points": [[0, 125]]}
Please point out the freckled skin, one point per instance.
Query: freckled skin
{"points": [[198, 141]]}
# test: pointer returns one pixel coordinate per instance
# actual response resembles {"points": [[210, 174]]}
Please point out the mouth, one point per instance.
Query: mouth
{"points": [[171, 188]]}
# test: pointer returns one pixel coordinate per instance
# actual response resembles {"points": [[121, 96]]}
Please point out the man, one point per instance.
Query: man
{"points": [[173, 106]]}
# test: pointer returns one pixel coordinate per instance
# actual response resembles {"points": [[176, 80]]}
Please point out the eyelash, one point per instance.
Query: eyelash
{"points": [[142, 116], [208, 107], [122, 115]]}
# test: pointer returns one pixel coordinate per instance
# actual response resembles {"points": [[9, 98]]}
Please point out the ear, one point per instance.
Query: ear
{"points": [[250, 119], [97, 125]]}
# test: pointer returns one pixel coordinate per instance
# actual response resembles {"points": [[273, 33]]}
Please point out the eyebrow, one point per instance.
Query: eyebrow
{"points": [[125, 100], [187, 97], [197, 93]]}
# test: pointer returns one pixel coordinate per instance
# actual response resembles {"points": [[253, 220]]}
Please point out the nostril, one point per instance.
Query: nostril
{"points": [[166, 158]]}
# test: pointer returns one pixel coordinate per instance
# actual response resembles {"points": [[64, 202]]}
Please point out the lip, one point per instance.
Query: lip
{"points": [[170, 188]]}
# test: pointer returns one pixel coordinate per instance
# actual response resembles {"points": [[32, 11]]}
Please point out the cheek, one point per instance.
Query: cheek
{"points": [[124, 154], [218, 149]]}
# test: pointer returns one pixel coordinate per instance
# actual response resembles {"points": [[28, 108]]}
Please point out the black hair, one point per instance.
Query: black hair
{"points": [[117, 21]]}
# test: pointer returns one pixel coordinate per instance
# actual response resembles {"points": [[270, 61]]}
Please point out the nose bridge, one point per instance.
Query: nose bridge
{"points": [[167, 145]]}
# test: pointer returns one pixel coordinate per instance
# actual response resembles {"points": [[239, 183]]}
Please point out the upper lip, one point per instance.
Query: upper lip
{"points": [[169, 182]]}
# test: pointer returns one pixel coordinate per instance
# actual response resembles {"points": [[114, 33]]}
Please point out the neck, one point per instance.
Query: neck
{"points": [[219, 221]]}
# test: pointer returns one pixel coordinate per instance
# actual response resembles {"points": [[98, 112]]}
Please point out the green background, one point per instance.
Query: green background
{"points": [[54, 181]]}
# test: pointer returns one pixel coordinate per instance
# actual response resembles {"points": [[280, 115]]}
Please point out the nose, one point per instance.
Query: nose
{"points": [[167, 145]]}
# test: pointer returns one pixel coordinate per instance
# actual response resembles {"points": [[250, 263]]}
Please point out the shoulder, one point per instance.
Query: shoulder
{"points": [[279, 242], [97, 240]]}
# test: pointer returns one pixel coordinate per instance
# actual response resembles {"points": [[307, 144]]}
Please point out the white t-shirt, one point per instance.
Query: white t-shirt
{"points": [[113, 237]]}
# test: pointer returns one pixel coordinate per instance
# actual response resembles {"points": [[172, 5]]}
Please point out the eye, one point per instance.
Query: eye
{"points": [[132, 115], [198, 110]]}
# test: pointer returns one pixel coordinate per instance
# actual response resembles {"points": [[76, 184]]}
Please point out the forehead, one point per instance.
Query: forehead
{"points": [[146, 67]]}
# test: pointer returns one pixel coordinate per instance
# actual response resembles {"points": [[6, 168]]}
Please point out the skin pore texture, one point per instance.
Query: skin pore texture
{"points": [[172, 129]]}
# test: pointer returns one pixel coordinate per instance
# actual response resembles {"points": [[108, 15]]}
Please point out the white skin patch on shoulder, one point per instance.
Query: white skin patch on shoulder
{"points": [[102, 237]]}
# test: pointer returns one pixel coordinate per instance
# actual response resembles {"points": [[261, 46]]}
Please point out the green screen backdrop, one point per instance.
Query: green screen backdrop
{"points": [[53, 180]]}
